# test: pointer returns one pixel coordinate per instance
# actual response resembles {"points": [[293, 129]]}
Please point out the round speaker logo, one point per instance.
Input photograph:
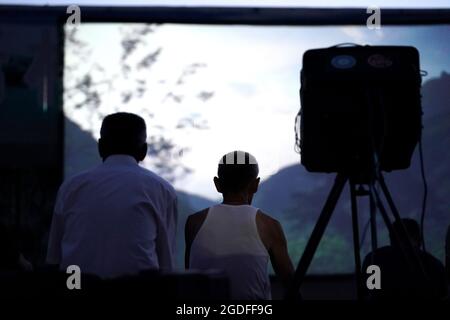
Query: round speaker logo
{"points": [[379, 61], [343, 62]]}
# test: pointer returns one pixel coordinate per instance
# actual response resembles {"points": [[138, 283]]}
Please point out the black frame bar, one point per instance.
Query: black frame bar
{"points": [[226, 15]]}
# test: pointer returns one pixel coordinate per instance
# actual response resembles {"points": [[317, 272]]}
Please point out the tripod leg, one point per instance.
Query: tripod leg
{"points": [[396, 214], [316, 235], [356, 247], [388, 196], [411, 253], [383, 211], [392, 232]]}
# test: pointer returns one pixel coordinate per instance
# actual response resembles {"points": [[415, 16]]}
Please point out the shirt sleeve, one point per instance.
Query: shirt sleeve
{"points": [[166, 240], [172, 227], [54, 250]]}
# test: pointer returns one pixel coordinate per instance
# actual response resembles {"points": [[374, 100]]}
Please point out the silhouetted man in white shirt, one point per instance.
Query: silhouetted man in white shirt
{"points": [[117, 218]]}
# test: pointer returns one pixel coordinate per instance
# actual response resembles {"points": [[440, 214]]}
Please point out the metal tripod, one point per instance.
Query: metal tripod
{"points": [[324, 218]]}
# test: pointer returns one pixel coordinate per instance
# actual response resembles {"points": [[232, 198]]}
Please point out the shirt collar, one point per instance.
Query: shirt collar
{"points": [[120, 159]]}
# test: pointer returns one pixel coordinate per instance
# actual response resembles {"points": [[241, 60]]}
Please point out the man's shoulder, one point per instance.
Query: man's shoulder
{"points": [[383, 255], [153, 179], [269, 227], [267, 219], [199, 215], [76, 179], [383, 251], [432, 261], [195, 221]]}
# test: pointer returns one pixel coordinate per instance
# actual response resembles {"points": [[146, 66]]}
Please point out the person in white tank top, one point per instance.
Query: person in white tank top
{"points": [[235, 236]]}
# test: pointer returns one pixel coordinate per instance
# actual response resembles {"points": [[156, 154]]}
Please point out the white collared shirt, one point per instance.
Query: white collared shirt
{"points": [[115, 219]]}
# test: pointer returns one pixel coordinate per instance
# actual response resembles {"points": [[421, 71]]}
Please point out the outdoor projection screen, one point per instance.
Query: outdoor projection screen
{"points": [[205, 90]]}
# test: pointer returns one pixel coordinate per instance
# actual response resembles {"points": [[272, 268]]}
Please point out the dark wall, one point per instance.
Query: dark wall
{"points": [[30, 130]]}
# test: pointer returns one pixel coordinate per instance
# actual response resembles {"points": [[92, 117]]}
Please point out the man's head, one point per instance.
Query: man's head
{"points": [[411, 227], [237, 174], [123, 133]]}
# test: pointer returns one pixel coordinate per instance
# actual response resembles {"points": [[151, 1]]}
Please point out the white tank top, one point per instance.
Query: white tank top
{"points": [[229, 240]]}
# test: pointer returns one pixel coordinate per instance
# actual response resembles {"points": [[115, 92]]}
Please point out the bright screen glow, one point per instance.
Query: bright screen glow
{"points": [[207, 90]]}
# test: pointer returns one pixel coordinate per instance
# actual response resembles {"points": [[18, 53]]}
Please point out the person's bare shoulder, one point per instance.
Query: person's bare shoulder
{"points": [[198, 216], [266, 217], [269, 228], [268, 221], [193, 225], [194, 222]]}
